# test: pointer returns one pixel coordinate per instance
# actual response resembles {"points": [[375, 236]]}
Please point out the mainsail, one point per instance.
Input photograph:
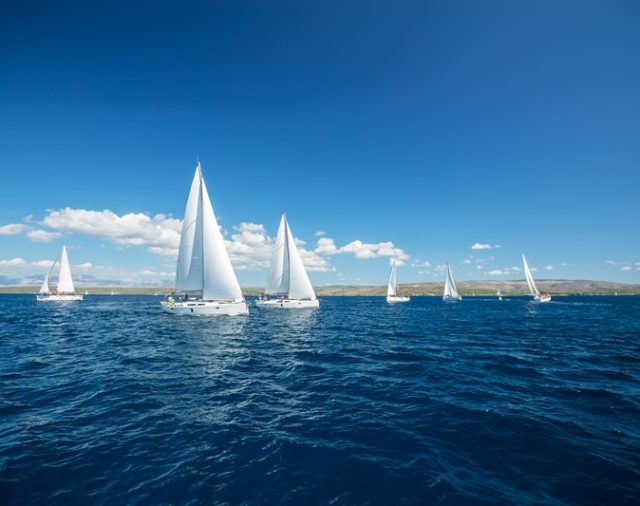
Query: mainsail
{"points": [[392, 286], [287, 275], [527, 274], [204, 267], [278, 282], [450, 290]]}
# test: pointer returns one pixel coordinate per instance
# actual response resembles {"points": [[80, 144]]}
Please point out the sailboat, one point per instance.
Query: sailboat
{"points": [[65, 290], [288, 286], [450, 291], [499, 294], [392, 287], [206, 283], [537, 296]]}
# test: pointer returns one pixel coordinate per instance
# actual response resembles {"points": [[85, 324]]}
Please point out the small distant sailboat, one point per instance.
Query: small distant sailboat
{"points": [[204, 275], [288, 286], [499, 294], [392, 287], [86, 292], [450, 291], [65, 290], [537, 296]]}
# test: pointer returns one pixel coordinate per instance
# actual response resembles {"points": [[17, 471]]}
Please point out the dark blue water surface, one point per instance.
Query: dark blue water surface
{"points": [[110, 401]]}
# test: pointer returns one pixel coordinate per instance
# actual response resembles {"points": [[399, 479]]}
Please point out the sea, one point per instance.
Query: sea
{"points": [[111, 401]]}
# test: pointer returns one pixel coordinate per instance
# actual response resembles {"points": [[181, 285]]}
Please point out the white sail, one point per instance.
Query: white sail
{"points": [[392, 285], [44, 288], [189, 272], [278, 282], [450, 289], [299, 284], [204, 267], [220, 282], [527, 274], [65, 282]]}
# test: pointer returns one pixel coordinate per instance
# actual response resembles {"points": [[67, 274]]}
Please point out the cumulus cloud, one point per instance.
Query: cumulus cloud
{"points": [[548, 267], [161, 232], [361, 250], [249, 246], [625, 268], [12, 229], [484, 245], [43, 235], [320, 233]]}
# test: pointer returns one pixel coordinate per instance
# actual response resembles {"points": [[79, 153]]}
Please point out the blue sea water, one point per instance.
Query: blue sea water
{"points": [[110, 401]]}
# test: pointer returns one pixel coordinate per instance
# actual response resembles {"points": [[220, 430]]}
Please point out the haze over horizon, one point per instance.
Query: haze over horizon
{"points": [[428, 132]]}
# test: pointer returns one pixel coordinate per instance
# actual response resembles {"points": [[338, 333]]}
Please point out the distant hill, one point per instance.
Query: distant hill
{"points": [[519, 287]]}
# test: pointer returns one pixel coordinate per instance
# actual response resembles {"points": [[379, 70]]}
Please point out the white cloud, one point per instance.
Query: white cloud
{"points": [[326, 246], [250, 248], [13, 262], [484, 245], [45, 264], [505, 271], [43, 235], [548, 267], [132, 229], [466, 261], [320, 233], [361, 250], [625, 268], [479, 267], [12, 229]]}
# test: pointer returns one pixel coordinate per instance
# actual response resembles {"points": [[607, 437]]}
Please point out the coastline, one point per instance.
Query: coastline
{"points": [[466, 289]]}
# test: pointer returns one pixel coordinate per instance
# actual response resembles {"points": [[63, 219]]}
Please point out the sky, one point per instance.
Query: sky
{"points": [[460, 131]]}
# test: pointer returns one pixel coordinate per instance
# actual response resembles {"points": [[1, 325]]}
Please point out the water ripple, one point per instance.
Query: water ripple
{"points": [[480, 402]]}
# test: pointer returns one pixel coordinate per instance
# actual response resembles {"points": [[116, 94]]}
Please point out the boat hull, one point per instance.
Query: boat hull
{"points": [[391, 299], [542, 298], [451, 299], [205, 308], [289, 303], [59, 298]]}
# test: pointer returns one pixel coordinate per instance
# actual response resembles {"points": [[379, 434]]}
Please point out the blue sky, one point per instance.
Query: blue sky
{"points": [[429, 125]]}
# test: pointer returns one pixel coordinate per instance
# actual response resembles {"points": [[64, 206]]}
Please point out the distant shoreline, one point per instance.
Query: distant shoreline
{"points": [[466, 288]]}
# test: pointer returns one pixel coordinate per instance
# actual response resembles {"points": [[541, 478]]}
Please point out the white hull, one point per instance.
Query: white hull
{"points": [[542, 298], [205, 307], [58, 298], [396, 298], [450, 298], [289, 303]]}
